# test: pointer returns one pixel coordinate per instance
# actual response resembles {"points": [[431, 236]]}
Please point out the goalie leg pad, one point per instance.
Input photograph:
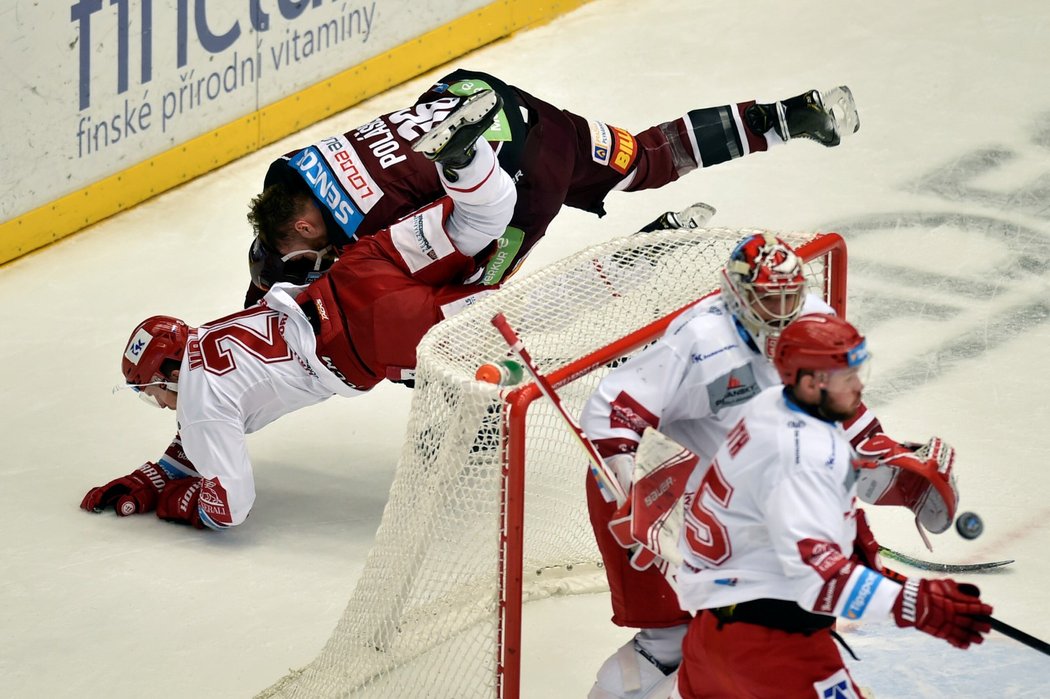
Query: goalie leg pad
{"points": [[629, 674]]}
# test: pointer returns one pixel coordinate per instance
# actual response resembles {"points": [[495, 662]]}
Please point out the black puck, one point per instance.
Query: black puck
{"points": [[969, 525]]}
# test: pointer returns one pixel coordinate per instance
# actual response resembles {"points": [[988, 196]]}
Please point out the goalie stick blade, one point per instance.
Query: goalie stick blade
{"points": [[941, 567]]}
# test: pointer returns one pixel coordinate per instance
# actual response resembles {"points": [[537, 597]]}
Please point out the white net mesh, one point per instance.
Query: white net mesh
{"points": [[424, 619]]}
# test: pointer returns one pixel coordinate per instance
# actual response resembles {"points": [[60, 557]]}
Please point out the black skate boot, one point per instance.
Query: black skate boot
{"points": [[451, 142], [822, 117]]}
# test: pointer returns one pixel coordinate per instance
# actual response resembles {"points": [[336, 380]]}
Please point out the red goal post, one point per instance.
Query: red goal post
{"points": [[487, 509]]}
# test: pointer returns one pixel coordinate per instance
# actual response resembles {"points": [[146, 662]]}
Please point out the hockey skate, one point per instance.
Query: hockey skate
{"points": [[693, 216], [451, 141], [824, 117]]}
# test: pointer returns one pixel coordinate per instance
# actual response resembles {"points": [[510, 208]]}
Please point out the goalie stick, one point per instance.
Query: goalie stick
{"points": [[607, 481], [941, 567]]}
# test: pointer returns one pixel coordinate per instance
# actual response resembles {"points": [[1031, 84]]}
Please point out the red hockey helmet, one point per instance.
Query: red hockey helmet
{"points": [[153, 341], [818, 342], [763, 285]]}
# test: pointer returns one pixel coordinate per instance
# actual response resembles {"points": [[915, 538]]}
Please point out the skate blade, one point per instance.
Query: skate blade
{"points": [[838, 101], [474, 109]]}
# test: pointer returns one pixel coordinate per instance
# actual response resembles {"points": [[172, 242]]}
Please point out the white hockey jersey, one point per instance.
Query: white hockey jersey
{"points": [[772, 516], [239, 374], [691, 385]]}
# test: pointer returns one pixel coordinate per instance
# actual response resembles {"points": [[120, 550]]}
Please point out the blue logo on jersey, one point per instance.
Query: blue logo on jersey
{"points": [[839, 691], [311, 166], [861, 594]]}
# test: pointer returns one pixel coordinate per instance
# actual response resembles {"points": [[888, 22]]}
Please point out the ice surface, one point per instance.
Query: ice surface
{"points": [[942, 196]]}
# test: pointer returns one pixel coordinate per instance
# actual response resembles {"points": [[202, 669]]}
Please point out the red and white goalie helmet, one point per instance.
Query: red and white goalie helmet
{"points": [[764, 286], [818, 342], [152, 342]]}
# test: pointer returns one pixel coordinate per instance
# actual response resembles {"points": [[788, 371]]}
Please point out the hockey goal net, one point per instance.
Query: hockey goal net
{"points": [[487, 509]]}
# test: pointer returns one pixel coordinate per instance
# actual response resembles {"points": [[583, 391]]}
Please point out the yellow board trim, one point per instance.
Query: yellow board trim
{"points": [[125, 189]]}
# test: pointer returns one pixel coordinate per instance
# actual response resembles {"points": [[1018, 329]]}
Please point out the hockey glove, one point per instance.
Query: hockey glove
{"points": [[919, 477], [180, 502], [132, 494], [945, 609], [865, 548]]}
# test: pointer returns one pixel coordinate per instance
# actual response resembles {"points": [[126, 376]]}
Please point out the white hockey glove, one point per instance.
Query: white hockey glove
{"points": [[919, 477]]}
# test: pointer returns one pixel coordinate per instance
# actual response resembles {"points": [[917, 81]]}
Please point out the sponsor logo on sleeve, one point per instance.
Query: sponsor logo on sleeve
{"points": [[214, 504], [861, 594], [625, 412], [824, 557], [421, 238], [624, 151], [601, 142], [506, 249]]}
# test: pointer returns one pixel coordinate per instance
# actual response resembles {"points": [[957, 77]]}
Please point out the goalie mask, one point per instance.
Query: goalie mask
{"points": [[764, 287], [156, 340], [299, 267]]}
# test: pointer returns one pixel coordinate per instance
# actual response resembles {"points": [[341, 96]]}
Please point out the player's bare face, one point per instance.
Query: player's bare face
{"points": [[841, 394]]}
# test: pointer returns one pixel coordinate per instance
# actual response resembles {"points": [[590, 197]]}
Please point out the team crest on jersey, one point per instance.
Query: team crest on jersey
{"points": [[736, 387]]}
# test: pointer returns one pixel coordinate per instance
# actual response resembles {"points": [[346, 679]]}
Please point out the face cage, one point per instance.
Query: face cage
{"points": [[749, 296]]}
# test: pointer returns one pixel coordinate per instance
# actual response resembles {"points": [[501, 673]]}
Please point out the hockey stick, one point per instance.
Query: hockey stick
{"points": [[607, 481], [1018, 635], [941, 567]]}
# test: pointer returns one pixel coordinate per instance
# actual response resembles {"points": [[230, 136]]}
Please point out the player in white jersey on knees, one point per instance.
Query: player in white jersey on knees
{"points": [[692, 385], [342, 335], [771, 544]]}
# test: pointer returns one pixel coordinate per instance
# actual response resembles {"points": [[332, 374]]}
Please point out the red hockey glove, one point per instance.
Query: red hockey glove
{"points": [[132, 494], [180, 502], [945, 609], [919, 477], [865, 548]]}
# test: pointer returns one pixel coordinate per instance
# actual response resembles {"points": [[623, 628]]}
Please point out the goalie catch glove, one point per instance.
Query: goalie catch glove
{"points": [[945, 609], [919, 477]]}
